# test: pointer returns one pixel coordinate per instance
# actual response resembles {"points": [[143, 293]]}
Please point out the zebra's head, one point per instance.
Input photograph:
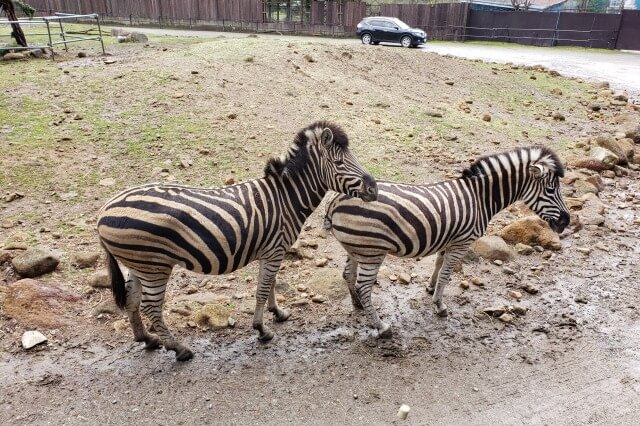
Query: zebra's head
{"points": [[543, 195], [341, 170]]}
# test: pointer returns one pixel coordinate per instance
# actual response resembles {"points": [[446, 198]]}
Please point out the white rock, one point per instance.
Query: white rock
{"points": [[32, 338], [403, 412]]}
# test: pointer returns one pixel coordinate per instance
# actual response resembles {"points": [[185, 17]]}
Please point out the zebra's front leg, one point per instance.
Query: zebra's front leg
{"points": [[436, 270], [451, 257], [350, 275], [132, 308], [266, 280], [367, 274], [153, 291]]}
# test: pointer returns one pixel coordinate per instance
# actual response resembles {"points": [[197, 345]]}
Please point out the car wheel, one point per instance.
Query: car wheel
{"points": [[366, 38], [405, 41]]}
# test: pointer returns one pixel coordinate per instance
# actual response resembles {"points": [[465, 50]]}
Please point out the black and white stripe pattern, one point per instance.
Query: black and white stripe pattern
{"points": [[151, 228], [443, 218]]}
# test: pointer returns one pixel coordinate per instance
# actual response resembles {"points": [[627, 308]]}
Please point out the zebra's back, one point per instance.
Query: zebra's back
{"points": [[156, 226], [406, 220]]}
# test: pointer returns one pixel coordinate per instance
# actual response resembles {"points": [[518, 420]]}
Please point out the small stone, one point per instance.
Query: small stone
{"points": [[300, 302], [107, 182], [109, 61], [494, 311], [319, 298], [581, 299], [498, 262], [477, 281], [230, 180], [486, 117], [321, 262], [595, 107], [393, 277], [518, 310], [232, 116], [35, 262], [583, 250], [404, 278], [529, 288], [121, 325], [523, 249], [436, 114], [194, 72], [192, 289], [213, 316], [99, 280], [514, 294], [13, 196], [464, 284], [231, 322], [301, 288], [538, 249], [558, 116], [106, 307], [403, 411], [508, 271], [506, 318], [556, 91], [85, 259], [32, 338]]}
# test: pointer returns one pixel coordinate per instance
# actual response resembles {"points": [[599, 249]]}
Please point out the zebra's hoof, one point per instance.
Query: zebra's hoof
{"points": [[184, 354], [442, 312], [431, 290], [357, 306], [282, 315], [265, 336], [152, 343], [385, 332]]}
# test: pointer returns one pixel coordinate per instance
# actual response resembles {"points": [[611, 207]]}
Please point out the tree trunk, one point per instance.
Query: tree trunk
{"points": [[7, 7]]}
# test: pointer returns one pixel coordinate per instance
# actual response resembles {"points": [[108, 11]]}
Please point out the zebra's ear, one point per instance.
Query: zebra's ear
{"points": [[327, 137], [537, 170]]}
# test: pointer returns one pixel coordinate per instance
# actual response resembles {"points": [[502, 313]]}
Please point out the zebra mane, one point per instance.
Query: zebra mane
{"points": [[297, 155], [537, 154]]}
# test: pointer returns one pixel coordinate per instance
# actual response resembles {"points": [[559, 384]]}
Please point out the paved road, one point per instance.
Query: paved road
{"points": [[620, 69]]}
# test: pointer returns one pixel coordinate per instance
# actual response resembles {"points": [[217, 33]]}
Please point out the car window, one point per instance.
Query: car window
{"points": [[398, 23], [377, 23]]}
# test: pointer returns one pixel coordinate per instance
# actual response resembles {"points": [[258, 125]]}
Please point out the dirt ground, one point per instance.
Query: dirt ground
{"points": [[75, 131]]}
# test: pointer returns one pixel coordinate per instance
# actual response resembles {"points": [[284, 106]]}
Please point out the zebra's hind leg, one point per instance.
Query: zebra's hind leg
{"points": [[350, 275], [451, 257], [280, 315], [153, 291], [436, 270], [266, 280], [367, 273], [132, 307]]}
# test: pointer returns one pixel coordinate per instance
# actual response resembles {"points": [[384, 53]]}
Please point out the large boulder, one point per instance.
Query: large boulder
{"points": [[592, 211], [36, 303], [35, 262], [492, 247], [213, 316], [633, 133], [533, 231], [607, 157], [610, 143]]}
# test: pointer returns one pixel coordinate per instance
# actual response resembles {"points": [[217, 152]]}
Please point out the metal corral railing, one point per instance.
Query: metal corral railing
{"points": [[65, 38]]}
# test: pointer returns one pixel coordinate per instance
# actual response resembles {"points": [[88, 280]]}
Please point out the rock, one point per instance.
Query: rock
{"points": [[319, 298], [35, 262], [590, 164], [486, 117], [106, 307], [529, 288], [309, 58], [13, 56], [531, 230], [436, 114], [523, 249], [119, 32], [107, 182], [99, 280], [554, 73], [507, 318], [5, 257], [584, 250], [230, 180], [247, 308], [215, 317], [449, 83], [13, 196], [508, 271], [609, 143], [137, 37], [558, 116], [595, 107], [514, 294], [593, 210], [186, 162], [403, 411], [581, 299], [596, 181], [464, 284], [393, 277], [321, 262], [300, 302], [492, 247], [627, 148], [477, 281], [620, 95], [495, 311], [85, 259], [518, 310], [607, 157], [633, 133], [37, 303], [82, 54], [582, 187], [32, 338], [404, 278], [329, 282], [556, 91]]}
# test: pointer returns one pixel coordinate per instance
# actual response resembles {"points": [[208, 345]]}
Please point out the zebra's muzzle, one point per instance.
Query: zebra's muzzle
{"points": [[369, 190], [559, 224]]}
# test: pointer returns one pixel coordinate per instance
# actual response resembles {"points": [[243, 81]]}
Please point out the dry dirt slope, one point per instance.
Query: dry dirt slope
{"points": [[201, 111]]}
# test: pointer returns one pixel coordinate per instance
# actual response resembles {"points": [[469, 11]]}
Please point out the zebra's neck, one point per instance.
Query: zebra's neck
{"points": [[301, 193], [500, 184]]}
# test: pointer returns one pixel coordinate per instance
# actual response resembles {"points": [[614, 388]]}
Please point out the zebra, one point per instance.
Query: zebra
{"points": [[153, 227], [443, 218]]}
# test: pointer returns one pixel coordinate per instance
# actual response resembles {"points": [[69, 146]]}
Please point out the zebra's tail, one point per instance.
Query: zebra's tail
{"points": [[117, 281]]}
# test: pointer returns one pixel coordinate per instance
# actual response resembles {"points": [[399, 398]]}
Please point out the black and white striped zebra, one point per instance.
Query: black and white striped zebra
{"points": [[151, 228], [444, 218]]}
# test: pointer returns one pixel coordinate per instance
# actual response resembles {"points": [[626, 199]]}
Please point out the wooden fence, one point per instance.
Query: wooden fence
{"points": [[445, 21]]}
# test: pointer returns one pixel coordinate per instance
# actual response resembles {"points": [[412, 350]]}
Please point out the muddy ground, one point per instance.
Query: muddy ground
{"points": [[75, 131]]}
